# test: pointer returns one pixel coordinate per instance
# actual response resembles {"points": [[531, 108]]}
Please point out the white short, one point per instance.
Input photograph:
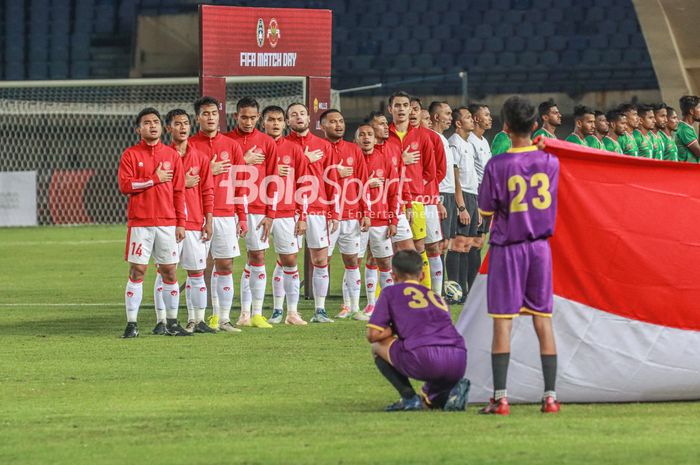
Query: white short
{"points": [[193, 251], [252, 239], [403, 229], [347, 236], [283, 238], [433, 231], [142, 242], [224, 240], [364, 241], [317, 232], [379, 244]]}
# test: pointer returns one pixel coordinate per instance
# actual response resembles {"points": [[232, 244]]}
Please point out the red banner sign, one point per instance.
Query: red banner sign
{"points": [[241, 41]]}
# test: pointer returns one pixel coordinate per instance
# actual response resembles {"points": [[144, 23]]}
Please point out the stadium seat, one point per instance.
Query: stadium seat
{"points": [[494, 45], [506, 59], [390, 47], [441, 32], [528, 59], [516, 44], [542, 5], [599, 41], [38, 70], [14, 70], [570, 58], [612, 57], [431, 46], [577, 43], [549, 58], [484, 31], [591, 57], [486, 60]]}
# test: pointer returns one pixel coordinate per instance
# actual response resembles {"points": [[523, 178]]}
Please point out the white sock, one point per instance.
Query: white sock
{"points": [[385, 278], [132, 298], [435, 274], [171, 298], [246, 296], [198, 297], [346, 292], [224, 289], [158, 298], [320, 284], [291, 287], [258, 282], [371, 284], [277, 287], [214, 294], [188, 299], [353, 283]]}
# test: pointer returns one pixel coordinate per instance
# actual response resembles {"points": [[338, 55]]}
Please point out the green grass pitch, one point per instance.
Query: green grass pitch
{"points": [[74, 393]]}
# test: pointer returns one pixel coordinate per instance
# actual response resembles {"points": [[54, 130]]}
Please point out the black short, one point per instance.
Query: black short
{"points": [[449, 224], [469, 230], [485, 225]]}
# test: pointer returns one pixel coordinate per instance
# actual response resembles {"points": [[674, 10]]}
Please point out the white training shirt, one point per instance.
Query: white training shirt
{"points": [[464, 154], [483, 152], [447, 185]]}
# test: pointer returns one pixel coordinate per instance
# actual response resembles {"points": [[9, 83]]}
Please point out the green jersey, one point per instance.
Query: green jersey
{"points": [[685, 135], [611, 145], [500, 144], [670, 149], [657, 146], [574, 138], [628, 145], [644, 145], [593, 142], [544, 133]]}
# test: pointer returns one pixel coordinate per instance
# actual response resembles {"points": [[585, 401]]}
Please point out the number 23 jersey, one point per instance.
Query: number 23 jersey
{"points": [[520, 190]]}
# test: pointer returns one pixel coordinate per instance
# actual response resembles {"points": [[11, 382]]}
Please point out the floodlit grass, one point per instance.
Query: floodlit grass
{"points": [[74, 393]]}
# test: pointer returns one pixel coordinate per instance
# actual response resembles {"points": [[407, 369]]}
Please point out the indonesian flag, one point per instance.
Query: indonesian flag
{"points": [[626, 266]]}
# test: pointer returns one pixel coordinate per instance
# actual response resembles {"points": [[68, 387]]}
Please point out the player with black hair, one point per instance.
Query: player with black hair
{"points": [[585, 125], [627, 141], [412, 336], [260, 155], [642, 134], [319, 194], [667, 134], [601, 127], [686, 137], [519, 191], [230, 220], [150, 174], [618, 126], [550, 118]]}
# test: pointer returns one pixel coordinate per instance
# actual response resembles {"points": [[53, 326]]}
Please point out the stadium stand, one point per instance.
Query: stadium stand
{"points": [[536, 41]]}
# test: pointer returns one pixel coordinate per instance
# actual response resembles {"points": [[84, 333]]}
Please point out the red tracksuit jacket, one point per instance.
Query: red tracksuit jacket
{"points": [[199, 200], [288, 203], [224, 148], [382, 202], [266, 145], [352, 203], [320, 195], [420, 174]]}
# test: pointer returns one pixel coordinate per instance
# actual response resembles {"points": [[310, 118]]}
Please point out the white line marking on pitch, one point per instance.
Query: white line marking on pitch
{"points": [[96, 242]]}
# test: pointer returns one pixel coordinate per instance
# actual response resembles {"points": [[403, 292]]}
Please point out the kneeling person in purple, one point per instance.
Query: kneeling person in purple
{"points": [[412, 336], [519, 190]]}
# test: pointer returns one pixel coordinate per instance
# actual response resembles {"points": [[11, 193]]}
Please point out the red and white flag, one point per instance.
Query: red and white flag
{"points": [[626, 266]]}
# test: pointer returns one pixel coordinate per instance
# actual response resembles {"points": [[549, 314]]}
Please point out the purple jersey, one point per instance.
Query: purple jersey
{"points": [[418, 316], [520, 190]]}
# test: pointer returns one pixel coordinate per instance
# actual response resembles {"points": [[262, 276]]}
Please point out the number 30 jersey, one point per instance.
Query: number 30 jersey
{"points": [[520, 190], [417, 315]]}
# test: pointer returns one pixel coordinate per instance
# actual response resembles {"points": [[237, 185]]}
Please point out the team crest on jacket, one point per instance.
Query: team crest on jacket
{"points": [[414, 145], [286, 159], [166, 165], [140, 164], [224, 155], [195, 170], [380, 173], [350, 161], [260, 32]]}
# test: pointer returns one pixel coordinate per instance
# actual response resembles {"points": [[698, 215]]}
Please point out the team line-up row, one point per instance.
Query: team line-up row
{"points": [[399, 186]]}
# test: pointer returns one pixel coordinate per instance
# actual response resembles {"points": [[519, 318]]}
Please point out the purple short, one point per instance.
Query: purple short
{"points": [[520, 279], [439, 366]]}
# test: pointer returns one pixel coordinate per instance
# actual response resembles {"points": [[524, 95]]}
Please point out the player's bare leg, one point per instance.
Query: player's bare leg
{"points": [[457, 263], [548, 354]]}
